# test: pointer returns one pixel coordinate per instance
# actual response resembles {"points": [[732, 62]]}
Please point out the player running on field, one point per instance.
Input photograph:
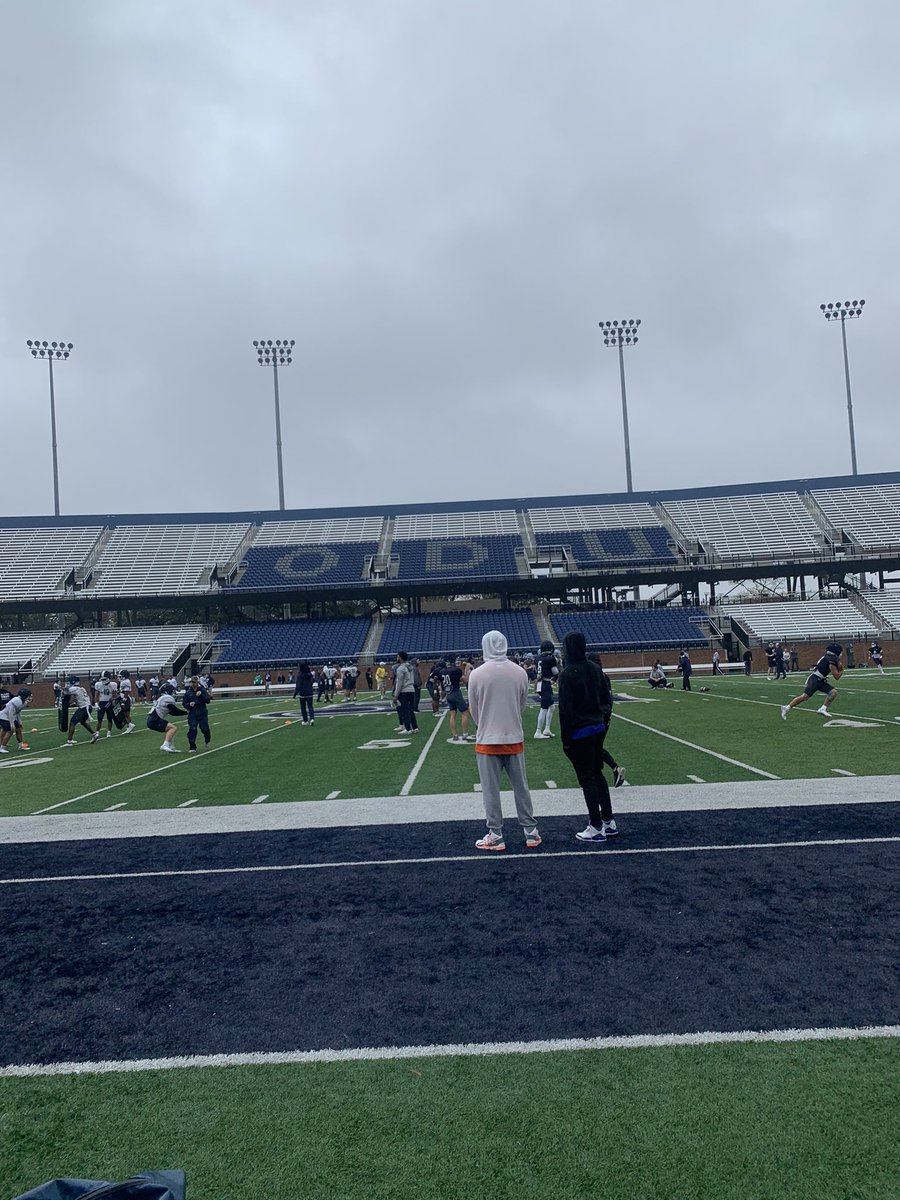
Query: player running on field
{"points": [[817, 681], [158, 718], [877, 656], [10, 719], [82, 714]]}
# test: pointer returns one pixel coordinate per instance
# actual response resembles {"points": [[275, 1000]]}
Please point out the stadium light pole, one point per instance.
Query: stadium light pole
{"points": [[276, 354], [621, 334], [51, 351], [844, 311]]}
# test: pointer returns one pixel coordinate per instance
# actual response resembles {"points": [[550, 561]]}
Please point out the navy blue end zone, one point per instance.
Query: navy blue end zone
{"points": [[595, 944]]}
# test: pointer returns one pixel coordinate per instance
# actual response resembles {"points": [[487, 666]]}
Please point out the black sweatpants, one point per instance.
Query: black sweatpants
{"points": [[306, 708], [406, 711], [586, 756], [685, 683], [198, 718]]}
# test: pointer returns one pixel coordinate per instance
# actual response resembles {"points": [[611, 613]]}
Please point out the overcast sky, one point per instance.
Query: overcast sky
{"points": [[438, 200]]}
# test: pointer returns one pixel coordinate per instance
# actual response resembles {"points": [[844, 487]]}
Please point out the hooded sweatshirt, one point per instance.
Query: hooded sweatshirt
{"points": [[498, 693], [585, 699]]}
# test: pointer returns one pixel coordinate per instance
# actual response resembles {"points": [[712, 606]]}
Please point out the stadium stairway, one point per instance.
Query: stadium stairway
{"points": [[373, 639], [542, 620], [859, 601]]}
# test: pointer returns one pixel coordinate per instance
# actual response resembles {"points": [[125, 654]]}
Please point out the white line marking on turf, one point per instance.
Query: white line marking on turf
{"points": [[696, 779], [551, 783], [168, 767], [188, 803], [411, 778], [640, 1041], [806, 708], [606, 852], [332, 795], [703, 750], [259, 799], [476, 787], [838, 771], [113, 807]]}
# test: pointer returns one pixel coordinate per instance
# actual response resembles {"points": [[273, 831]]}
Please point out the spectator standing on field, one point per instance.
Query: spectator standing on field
{"points": [[780, 672], [795, 659], [748, 661], [686, 669], [585, 707], [498, 693], [404, 695], [195, 701], [716, 669], [303, 689]]}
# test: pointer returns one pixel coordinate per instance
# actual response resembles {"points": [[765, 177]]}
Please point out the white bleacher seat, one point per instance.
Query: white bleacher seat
{"points": [[738, 526], [414, 526], [319, 532], [592, 517], [140, 648], [802, 620], [35, 562], [152, 560], [20, 648], [887, 605], [870, 515]]}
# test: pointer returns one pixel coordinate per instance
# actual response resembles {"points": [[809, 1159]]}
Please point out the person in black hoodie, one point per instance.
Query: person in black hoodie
{"points": [[585, 704], [304, 689], [195, 700]]}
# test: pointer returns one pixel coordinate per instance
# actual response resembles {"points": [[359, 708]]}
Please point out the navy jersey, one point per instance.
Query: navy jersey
{"points": [[823, 666]]}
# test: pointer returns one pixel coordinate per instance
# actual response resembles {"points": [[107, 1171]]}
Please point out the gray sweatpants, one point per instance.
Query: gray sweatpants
{"points": [[490, 767]]}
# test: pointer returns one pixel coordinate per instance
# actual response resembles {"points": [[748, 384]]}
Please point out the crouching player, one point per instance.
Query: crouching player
{"points": [[158, 719], [196, 698], [10, 719], [83, 707], [817, 681]]}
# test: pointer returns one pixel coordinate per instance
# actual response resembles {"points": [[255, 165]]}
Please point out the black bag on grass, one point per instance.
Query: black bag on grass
{"points": [[119, 716], [150, 1185]]}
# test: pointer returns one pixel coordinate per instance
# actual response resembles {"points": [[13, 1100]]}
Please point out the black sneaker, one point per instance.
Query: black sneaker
{"points": [[618, 777]]}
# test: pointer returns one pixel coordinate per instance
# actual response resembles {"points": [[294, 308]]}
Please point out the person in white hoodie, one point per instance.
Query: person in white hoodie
{"points": [[498, 693]]}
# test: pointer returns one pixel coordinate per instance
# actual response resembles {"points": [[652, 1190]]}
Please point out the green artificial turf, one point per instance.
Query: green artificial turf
{"points": [[801, 1121], [737, 720]]}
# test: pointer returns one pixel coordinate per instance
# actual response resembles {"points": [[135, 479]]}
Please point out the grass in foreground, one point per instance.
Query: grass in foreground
{"points": [[805, 1121]]}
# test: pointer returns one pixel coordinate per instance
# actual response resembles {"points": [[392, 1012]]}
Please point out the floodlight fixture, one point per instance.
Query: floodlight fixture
{"points": [[275, 354], [618, 335], [844, 311], [50, 352]]}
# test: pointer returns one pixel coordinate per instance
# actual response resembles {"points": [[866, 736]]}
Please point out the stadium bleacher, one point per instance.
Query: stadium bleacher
{"points": [[35, 562], [770, 523], [887, 605], [592, 516], [144, 648], [458, 632], [149, 560], [457, 558], [606, 547], [801, 620], [869, 515], [634, 628], [328, 565], [19, 649], [285, 643]]}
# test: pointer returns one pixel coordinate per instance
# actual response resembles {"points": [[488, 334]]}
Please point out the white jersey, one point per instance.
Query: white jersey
{"points": [[154, 681], [104, 690], [79, 695], [173, 681], [164, 705], [13, 710], [329, 673], [125, 687]]}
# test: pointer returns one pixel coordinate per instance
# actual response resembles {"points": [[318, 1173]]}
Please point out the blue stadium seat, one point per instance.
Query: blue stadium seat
{"points": [[633, 628], [603, 547], [327, 565], [458, 632], [284, 643], [491, 557]]}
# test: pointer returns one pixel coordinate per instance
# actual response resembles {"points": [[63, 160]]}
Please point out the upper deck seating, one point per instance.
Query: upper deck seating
{"points": [[158, 560], [623, 629], [592, 516], [304, 566], [146, 648], [608, 547], [797, 620], [458, 632], [869, 515], [740, 526], [460, 558], [35, 562], [285, 643], [887, 605]]}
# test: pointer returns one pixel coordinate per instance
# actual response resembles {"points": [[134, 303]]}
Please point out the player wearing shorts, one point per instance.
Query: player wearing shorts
{"points": [[10, 719], [548, 670], [877, 656], [141, 684], [81, 715], [154, 688], [105, 690], [453, 680], [158, 718], [818, 681], [381, 678]]}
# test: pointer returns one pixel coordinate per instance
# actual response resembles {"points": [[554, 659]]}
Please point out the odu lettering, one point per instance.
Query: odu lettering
{"points": [[307, 564], [640, 546], [462, 554]]}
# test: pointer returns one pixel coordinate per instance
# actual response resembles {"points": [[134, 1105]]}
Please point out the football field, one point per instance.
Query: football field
{"points": [[281, 964]]}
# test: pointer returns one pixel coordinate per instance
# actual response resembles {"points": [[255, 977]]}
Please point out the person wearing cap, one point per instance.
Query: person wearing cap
{"points": [[10, 719], [498, 693], [381, 678], [195, 700]]}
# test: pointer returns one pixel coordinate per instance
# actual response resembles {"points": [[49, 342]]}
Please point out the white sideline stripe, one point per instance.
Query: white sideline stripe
{"points": [[259, 799], [640, 1041], [849, 774], [610, 852], [332, 795], [703, 749], [113, 807], [413, 775], [188, 803], [551, 783], [168, 767], [696, 779]]}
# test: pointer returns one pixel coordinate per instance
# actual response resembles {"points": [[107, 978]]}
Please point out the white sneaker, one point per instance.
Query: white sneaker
{"points": [[3, 749], [169, 748], [491, 841], [538, 737], [109, 733], [68, 743], [785, 709], [610, 828], [823, 710], [591, 835], [129, 728]]}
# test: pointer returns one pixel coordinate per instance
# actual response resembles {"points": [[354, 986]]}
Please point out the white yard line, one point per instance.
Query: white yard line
{"points": [[849, 774], [188, 803], [607, 852], [332, 795], [735, 762], [259, 799], [550, 783], [641, 1041], [146, 774], [696, 779], [808, 708], [413, 775], [113, 807]]}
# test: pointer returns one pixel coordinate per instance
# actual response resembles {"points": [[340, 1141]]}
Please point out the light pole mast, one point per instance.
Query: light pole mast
{"points": [[49, 351], [621, 334], [849, 310], [275, 354]]}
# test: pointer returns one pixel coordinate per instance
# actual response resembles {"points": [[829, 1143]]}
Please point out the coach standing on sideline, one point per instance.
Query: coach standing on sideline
{"points": [[196, 698], [498, 693]]}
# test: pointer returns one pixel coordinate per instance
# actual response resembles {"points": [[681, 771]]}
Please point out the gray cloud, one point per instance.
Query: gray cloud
{"points": [[439, 202]]}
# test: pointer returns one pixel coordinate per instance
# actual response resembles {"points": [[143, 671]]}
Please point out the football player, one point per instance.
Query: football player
{"points": [[10, 721], [877, 656], [817, 681], [81, 715], [158, 718]]}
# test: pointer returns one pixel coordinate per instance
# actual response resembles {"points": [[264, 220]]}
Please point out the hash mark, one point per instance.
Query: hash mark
{"points": [[114, 806], [332, 795], [259, 799], [187, 803]]}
